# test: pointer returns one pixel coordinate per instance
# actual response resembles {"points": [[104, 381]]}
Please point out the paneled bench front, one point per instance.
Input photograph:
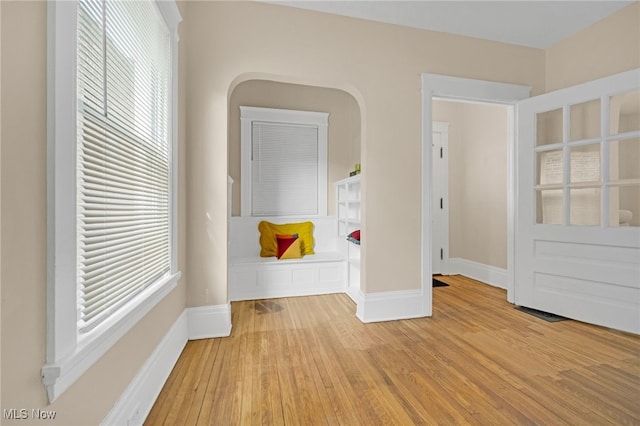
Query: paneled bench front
{"points": [[253, 277]]}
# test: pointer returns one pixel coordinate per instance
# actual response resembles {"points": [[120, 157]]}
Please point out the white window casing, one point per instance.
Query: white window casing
{"points": [[81, 326], [283, 162]]}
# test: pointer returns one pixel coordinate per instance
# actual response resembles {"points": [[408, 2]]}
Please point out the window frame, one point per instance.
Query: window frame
{"points": [[565, 146], [249, 115], [70, 354]]}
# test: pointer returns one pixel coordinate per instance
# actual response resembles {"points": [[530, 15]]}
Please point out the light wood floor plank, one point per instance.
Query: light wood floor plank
{"points": [[478, 360], [162, 404]]}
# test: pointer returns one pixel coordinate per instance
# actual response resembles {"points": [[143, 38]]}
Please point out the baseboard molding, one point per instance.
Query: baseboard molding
{"points": [[491, 275], [355, 294], [136, 402], [390, 306], [206, 322]]}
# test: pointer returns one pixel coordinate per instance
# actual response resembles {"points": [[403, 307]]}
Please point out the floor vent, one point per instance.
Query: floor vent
{"points": [[541, 314]]}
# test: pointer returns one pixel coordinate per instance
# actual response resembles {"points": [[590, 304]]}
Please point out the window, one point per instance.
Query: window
{"points": [[587, 156], [112, 221], [284, 162]]}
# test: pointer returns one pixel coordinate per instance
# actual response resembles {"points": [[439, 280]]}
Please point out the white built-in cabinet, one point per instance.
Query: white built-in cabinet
{"points": [[348, 211]]}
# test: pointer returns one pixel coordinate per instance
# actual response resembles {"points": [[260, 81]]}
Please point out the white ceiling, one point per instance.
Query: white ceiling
{"points": [[533, 23]]}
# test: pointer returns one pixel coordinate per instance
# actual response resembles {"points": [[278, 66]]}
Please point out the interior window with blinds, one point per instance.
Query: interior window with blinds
{"points": [[283, 162], [123, 154], [285, 169]]}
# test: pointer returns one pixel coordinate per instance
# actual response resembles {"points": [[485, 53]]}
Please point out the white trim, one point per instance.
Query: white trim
{"points": [[170, 13], [476, 90], [488, 274], [310, 118], [136, 401], [60, 374], [390, 306], [61, 116], [355, 294], [206, 322], [434, 85], [512, 148], [443, 129], [426, 240], [69, 356]]}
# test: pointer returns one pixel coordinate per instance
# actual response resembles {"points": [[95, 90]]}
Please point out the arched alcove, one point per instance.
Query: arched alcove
{"points": [[344, 132]]}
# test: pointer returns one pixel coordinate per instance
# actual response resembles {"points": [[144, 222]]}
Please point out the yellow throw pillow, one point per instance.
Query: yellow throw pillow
{"points": [[268, 231]]}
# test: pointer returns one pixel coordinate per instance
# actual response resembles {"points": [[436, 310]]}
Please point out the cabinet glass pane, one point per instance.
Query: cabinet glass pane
{"points": [[624, 159], [584, 120], [585, 163], [549, 167], [628, 200], [584, 206], [549, 127], [624, 110], [549, 206]]}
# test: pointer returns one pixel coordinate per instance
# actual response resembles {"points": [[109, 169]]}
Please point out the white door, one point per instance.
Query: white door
{"points": [[440, 218], [577, 249]]}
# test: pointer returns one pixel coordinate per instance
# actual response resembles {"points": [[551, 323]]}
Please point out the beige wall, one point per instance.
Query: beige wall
{"points": [[477, 180], [610, 46], [223, 44], [343, 131], [380, 65], [24, 238]]}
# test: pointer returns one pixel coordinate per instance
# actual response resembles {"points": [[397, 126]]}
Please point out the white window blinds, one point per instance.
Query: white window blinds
{"points": [[283, 162], [123, 154], [284, 169]]}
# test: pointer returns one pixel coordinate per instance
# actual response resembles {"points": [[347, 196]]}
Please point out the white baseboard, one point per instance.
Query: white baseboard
{"points": [[137, 400], [390, 306], [491, 275], [355, 294], [206, 322]]}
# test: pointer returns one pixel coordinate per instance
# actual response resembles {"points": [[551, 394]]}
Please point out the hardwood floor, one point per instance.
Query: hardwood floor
{"points": [[478, 360]]}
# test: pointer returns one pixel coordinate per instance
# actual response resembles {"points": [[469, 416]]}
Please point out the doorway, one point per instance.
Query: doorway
{"points": [[470, 163], [434, 85]]}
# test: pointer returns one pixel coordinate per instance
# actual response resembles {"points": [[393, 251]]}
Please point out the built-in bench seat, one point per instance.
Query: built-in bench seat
{"points": [[312, 258], [253, 277]]}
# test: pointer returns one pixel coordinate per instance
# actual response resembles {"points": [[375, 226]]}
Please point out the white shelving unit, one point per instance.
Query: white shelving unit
{"points": [[348, 211]]}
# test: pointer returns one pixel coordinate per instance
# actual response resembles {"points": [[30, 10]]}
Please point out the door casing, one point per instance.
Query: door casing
{"points": [[456, 88]]}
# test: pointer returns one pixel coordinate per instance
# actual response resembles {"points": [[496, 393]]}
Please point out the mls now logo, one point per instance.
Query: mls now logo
{"points": [[15, 414], [42, 414], [23, 414]]}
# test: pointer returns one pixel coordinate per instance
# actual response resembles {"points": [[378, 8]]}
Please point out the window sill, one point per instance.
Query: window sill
{"points": [[59, 376]]}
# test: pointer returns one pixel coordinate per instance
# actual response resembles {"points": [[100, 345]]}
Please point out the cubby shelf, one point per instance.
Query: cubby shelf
{"points": [[348, 213]]}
